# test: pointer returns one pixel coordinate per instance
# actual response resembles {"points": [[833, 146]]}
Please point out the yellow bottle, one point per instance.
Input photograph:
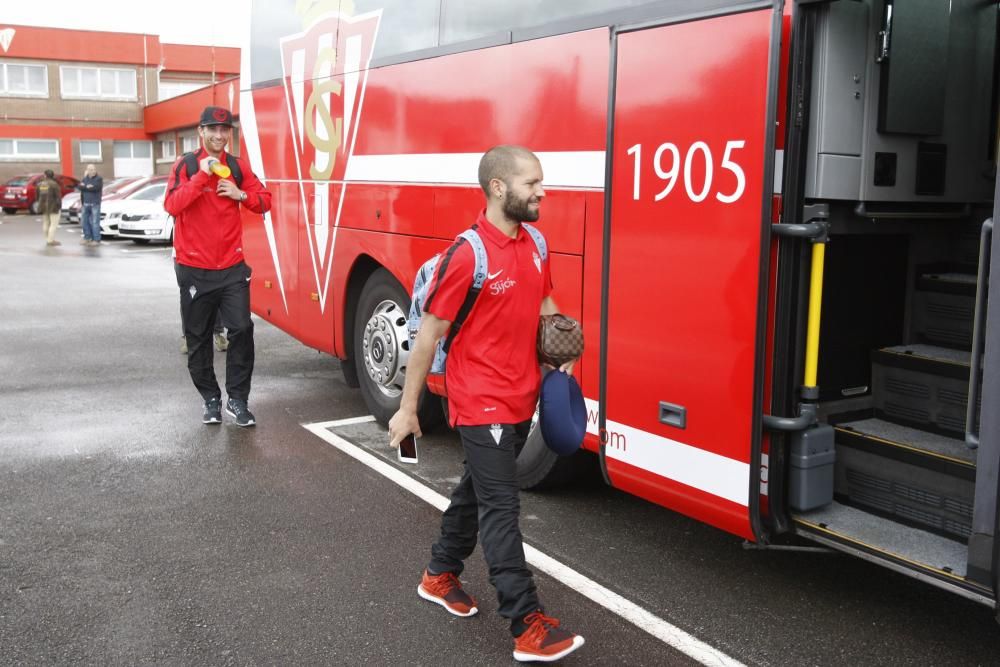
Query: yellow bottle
{"points": [[219, 169]]}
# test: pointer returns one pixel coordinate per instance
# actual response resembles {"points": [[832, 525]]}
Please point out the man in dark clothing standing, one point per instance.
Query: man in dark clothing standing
{"points": [[91, 188], [492, 378], [211, 273], [49, 205]]}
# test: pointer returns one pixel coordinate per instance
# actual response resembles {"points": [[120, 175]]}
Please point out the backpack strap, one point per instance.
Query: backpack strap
{"points": [[234, 166], [190, 162], [536, 236], [479, 251], [470, 236]]}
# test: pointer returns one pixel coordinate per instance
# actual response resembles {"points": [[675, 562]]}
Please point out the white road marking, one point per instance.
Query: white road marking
{"points": [[631, 612]]}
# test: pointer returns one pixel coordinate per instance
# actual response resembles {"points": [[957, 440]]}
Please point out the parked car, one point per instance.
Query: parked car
{"points": [[151, 191], [70, 207], [71, 204], [144, 220], [21, 192]]}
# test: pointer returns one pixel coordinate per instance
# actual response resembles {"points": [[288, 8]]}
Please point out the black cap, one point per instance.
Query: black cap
{"points": [[216, 116]]}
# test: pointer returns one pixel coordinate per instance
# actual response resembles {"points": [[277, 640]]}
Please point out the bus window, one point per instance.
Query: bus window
{"points": [[462, 20], [405, 26]]}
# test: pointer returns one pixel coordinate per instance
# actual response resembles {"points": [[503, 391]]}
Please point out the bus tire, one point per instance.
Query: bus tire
{"points": [[539, 468], [381, 349]]}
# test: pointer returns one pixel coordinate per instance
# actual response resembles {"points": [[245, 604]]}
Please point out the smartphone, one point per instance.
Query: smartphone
{"points": [[407, 452]]}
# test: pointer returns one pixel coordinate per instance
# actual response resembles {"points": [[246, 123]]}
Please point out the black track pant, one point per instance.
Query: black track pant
{"points": [[203, 293], [486, 502]]}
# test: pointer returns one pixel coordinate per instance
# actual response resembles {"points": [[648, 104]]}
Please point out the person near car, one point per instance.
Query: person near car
{"points": [[91, 191], [211, 272], [49, 204], [493, 377]]}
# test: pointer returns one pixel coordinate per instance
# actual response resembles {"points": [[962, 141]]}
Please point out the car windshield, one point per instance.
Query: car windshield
{"points": [[119, 184], [132, 186], [18, 181], [150, 193]]}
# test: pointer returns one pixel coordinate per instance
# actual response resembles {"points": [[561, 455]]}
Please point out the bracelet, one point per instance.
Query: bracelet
{"points": [[243, 196]]}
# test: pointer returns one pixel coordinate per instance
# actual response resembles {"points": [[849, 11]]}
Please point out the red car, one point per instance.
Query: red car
{"points": [[20, 192]]}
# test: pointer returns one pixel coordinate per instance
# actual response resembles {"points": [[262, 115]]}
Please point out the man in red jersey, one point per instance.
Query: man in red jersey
{"points": [[492, 377], [211, 273]]}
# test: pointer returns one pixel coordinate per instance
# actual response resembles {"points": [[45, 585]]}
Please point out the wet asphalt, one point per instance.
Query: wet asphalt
{"points": [[131, 533]]}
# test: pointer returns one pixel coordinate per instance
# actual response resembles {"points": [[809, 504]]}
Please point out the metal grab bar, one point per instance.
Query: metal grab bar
{"points": [[805, 230], [806, 418], [861, 209], [976, 358]]}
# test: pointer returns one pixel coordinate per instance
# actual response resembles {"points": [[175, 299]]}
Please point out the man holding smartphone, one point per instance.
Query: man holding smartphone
{"points": [[492, 377]]}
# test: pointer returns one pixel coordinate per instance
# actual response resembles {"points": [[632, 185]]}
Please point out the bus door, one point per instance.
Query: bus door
{"points": [[686, 219]]}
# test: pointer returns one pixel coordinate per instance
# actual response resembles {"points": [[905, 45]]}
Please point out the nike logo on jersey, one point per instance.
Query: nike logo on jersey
{"points": [[491, 276]]}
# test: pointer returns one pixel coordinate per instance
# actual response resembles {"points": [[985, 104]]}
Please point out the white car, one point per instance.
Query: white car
{"points": [[114, 189], [144, 221], [145, 200], [70, 209]]}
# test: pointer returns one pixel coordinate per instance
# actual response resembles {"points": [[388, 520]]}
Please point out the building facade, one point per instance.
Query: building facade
{"points": [[69, 98]]}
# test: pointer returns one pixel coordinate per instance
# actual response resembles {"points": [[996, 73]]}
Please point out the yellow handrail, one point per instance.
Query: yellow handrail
{"points": [[815, 304]]}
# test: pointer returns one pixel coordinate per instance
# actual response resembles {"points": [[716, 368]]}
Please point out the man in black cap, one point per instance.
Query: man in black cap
{"points": [[204, 194]]}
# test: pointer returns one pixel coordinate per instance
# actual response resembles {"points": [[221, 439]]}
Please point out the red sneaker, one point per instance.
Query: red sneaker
{"points": [[446, 590], [543, 641]]}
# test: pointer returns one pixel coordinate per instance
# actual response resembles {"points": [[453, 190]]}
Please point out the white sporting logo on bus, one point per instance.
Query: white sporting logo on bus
{"points": [[6, 37], [325, 71]]}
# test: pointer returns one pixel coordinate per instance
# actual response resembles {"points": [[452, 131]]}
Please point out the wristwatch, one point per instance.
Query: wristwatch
{"points": [[243, 196]]}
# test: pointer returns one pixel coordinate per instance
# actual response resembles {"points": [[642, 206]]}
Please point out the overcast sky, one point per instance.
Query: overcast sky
{"points": [[175, 21]]}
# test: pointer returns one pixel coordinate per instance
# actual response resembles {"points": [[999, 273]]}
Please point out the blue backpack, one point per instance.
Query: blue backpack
{"points": [[425, 276]]}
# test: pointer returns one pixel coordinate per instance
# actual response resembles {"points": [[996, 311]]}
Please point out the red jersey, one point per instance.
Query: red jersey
{"points": [[492, 373], [208, 233]]}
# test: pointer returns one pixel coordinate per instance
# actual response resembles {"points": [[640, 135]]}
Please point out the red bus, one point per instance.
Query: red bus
{"points": [[773, 220]]}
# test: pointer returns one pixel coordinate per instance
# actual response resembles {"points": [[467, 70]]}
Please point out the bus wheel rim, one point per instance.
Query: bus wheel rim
{"points": [[385, 348]]}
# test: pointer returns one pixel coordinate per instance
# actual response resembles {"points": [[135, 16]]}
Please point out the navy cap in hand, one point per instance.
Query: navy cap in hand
{"points": [[562, 413]]}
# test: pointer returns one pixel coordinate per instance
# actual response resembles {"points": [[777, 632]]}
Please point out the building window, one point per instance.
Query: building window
{"points": [[168, 149], [168, 89], [190, 143], [29, 149], [24, 80], [90, 150], [98, 82], [133, 149]]}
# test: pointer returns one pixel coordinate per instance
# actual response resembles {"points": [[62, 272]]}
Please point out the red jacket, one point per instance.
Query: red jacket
{"points": [[208, 232]]}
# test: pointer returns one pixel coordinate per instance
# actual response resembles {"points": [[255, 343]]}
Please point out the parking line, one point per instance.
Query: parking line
{"points": [[631, 612]]}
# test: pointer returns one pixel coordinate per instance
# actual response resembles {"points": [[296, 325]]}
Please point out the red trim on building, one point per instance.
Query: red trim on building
{"points": [[120, 48], [184, 110], [186, 58]]}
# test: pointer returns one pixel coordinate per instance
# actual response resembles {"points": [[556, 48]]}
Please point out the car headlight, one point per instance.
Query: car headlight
{"points": [[114, 215]]}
